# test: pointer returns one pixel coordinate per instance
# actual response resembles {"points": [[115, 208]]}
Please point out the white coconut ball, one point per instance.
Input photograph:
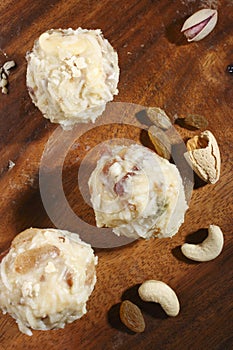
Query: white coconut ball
{"points": [[46, 279], [71, 75], [137, 193]]}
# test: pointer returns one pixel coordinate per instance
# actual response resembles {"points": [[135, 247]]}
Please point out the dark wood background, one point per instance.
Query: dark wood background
{"points": [[158, 68]]}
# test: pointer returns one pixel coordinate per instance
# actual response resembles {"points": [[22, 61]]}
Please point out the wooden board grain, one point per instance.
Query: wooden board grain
{"points": [[158, 68]]}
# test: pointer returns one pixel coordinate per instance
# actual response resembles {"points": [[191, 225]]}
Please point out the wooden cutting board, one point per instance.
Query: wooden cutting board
{"points": [[158, 68]]}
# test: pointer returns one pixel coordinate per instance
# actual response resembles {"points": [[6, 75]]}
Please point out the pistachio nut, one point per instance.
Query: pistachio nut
{"points": [[200, 24], [204, 156]]}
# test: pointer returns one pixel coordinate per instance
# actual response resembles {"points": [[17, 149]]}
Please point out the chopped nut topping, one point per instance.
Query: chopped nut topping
{"points": [[29, 259]]}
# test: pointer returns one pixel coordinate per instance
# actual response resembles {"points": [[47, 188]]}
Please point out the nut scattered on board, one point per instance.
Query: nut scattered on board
{"points": [[4, 74], [8, 65], [204, 156], [209, 249], [160, 292], [131, 316], [193, 121], [160, 141], [158, 117], [200, 24]]}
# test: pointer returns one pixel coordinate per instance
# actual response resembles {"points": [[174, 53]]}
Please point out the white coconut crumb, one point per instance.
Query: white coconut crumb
{"points": [[50, 267], [11, 164]]}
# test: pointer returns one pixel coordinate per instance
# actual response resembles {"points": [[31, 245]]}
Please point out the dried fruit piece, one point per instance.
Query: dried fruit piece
{"points": [[193, 121], [158, 117], [107, 166], [29, 259], [119, 187], [131, 316], [69, 278], [160, 141]]}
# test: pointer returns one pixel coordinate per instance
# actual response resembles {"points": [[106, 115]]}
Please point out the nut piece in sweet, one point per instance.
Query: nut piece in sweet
{"points": [[160, 292], [29, 259], [158, 117], [131, 316], [160, 141], [209, 249], [204, 156], [200, 24]]}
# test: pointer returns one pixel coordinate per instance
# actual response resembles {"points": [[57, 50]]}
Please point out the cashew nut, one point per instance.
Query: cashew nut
{"points": [[160, 292], [209, 249]]}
